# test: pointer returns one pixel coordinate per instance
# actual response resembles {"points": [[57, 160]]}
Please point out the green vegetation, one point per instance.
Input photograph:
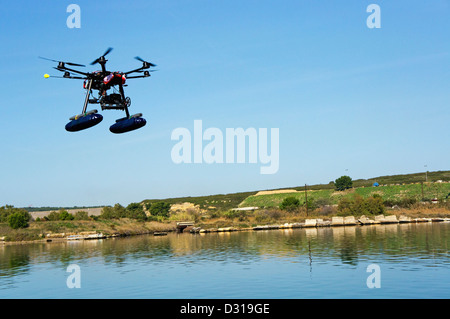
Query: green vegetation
{"points": [[343, 183], [159, 209], [395, 194], [290, 204], [15, 217], [357, 206], [18, 220], [81, 215], [136, 211], [132, 211], [221, 202], [400, 195], [65, 215]]}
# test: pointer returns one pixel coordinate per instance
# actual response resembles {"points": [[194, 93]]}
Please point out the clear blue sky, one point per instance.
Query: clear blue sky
{"points": [[347, 99]]}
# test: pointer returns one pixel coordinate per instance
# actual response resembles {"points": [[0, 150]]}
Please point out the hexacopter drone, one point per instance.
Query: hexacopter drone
{"points": [[102, 81]]}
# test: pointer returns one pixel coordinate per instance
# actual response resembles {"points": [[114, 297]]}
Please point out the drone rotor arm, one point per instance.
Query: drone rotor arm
{"points": [[65, 77], [72, 70], [133, 71], [138, 76]]}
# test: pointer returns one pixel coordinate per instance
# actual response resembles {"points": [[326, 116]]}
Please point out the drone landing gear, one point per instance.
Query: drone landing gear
{"points": [[128, 124], [83, 121], [108, 102]]}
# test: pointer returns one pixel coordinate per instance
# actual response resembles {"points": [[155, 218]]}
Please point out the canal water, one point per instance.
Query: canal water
{"points": [[382, 261]]}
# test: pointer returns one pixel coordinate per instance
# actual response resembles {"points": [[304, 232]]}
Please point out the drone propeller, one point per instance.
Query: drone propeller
{"points": [[102, 58], [146, 64], [141, 71], [68, 63]]}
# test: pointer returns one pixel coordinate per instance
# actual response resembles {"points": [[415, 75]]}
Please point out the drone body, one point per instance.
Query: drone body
{"points": [[103, 81]]}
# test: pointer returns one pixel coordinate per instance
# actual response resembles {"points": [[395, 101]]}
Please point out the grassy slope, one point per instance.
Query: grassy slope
{"points": [[212, 202], [228, 201], [329, 196]]}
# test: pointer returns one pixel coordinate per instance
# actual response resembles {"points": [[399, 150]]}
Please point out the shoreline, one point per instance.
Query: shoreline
{"points": [[308, 223]]}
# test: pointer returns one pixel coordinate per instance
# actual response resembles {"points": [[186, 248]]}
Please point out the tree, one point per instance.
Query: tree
{"points": [[6, 211], [120, 211], [65, 215], [116, 212], [136, 211], [290, 204], [160, 209], [18, 220], [107, 213], [344, 182]]}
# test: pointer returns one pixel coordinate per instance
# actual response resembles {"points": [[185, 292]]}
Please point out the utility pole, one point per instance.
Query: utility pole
{"points": [[306, 201]]}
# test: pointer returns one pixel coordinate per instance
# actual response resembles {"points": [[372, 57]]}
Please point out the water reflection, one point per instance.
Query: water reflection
{"points": [[426, 244]]}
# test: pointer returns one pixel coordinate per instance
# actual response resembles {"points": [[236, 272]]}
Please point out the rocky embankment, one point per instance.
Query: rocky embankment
{"points": [[333, 222]]}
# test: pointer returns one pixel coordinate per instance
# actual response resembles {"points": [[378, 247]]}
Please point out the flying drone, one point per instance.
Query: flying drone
{"points": [[103, 81]]}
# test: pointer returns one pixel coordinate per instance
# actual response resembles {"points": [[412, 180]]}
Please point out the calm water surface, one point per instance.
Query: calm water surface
{"points": [[299, 263]]}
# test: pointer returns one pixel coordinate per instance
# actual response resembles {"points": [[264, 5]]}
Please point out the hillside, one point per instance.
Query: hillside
{"points": [[391, 188], [395, 194]]}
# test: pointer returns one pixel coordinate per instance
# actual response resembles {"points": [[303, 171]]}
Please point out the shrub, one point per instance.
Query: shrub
{"points": [[194, 214], [405, 202], [64, 215], [267, 216], [327, 210], [345, 207], [359, 206], [374, 205], [81, 215], [18, 220], [53, 216], [290, 204], [311, 204], [239, 214], [322, 201]]}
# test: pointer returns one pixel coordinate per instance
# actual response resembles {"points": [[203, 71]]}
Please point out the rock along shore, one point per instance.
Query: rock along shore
{"points": [[333, 222]]}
